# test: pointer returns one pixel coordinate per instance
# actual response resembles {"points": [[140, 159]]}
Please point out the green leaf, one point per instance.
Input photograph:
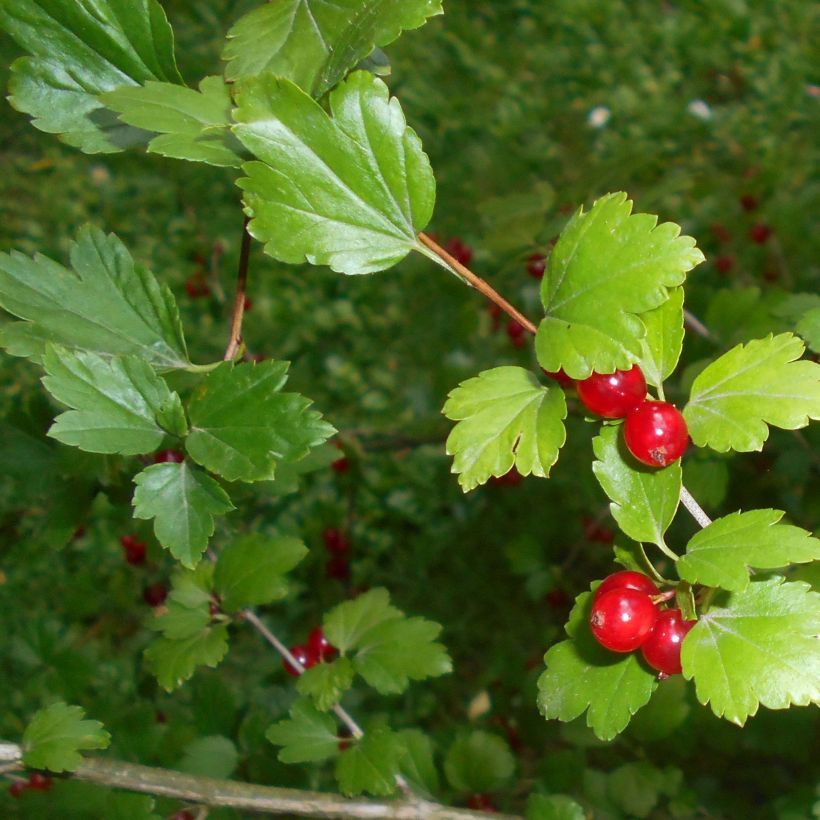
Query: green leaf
{"points": [[758, 648], [553, 807], [78, 51], [242, 424], [346, 624], [106, 304], [350, 190], [174, 662], [479, 762], [636, 787], [644, 500], [608, 266], [370, 764], [212, 756], [325, 683], [722, 554], [513, 222], [193, 125], [753, 385], [583, 676], [183, 501], [661, 346], [251, 570], [315, 43], [506, 418], [179, 621], [417, 764], [57, 734], [809, 328], [307, 736], [117, 403]]}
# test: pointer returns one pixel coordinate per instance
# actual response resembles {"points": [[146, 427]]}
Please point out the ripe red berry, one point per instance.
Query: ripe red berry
{"points": [[724, 263], [511, 479], [164, 456], [559, 376], [481, 802], [622, 619], [536, 265], [627, 579], [656, 433], [181, 815], [135, 553], [749, 202], [155, 594], [336, 542], [760, 232], [595, 532], [338, 568], [341, 465], [461, 252], [557, 599], [197, 287], [17, 788], [514, 330], [661, 650], [127, 541], [613, 395], [320, 646], [40, 782], [304, 655]]}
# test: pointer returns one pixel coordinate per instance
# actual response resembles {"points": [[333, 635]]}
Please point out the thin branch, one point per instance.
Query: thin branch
{"points": [[478, 283], [694, 508], [239, 299], [250, 797], [693, 323]]}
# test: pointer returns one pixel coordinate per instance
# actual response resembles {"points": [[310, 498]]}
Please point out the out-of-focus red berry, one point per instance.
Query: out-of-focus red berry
{"points": [[173, 456], [760, 232], [155, 594], [460, 251], [536, 265], [724, 263], [749, 202], [338, 568], [720, 232]]}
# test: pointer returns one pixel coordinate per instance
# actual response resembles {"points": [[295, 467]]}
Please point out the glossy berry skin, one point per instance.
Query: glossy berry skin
{"points": [[155, 594], [627, 579], [39, 782], [656, 433], [305, 655], [661, 650], [336, 542], [613, 395], [172, 456], [622, 619], [17, 788], [320, 646], [536, 265]]}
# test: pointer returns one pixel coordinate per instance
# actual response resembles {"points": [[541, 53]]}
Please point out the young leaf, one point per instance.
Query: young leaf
{"points": [[315, 43], [192, 125], [370, 764], [242, 424], [106, 304], [325, 683], [350, 190], [582, 675], [307, 736], [753, 385], [173, 662], [183, 501], [78, 51], [479, 762], [57, 734], [608, 266], [119, 404], [211, 756], [346, 624], [417, 764], [506, 418], [758, 648], [644, 500], [661, 346], [251, 570]]}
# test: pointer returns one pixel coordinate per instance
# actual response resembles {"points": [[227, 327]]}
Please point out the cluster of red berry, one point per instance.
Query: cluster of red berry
{"points": [[316, 649], [338, 546], [625, 617], [759, 233], [36, 782], [134, 550]]}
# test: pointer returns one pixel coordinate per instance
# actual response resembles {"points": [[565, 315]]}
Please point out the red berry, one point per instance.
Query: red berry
{"points": [[461, 252], [337, 568], [724, 263], [135, 553], [17, 788], [511, 479], [40, 782], [626, 579], [557, 599], [514, 330], [173, 456], [559, 376], [336, 542], [595, 532], [656, 433], [341, 465], [661, 650], [181, 815], [304, 655], [613, 395], [320, 646], [197, 287], [155, 594], [749, 202], [127, 541], [622, 619], [536, 264], [481, 802], [721, 233], [760, 232], [248, 304]]}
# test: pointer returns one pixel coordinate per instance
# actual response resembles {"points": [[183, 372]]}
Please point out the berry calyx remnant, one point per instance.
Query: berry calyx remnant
{"points": [[622, 619], [613, 395], [656, 433], [661, 650], [627, 579]]}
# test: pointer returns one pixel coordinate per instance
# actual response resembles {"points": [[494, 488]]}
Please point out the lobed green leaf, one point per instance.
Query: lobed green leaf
{"points": [[308, 735]]}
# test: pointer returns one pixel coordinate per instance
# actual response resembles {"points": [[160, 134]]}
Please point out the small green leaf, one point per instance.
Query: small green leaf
{"points": [[307, 736], [346, 624], [809, 328], [325, 683], [479, 762], [106, 304], [583, 676], [759, 647], [212, 756], [117, 403], [251, 570], [644, 500], [753, 385], [608, 266], [57, 734], [506, 418], [370, 764], [417, 764], [183, 501], [174, 662], [661, 346], [193, 125], [553, 807], [79, 51], [722, 554], [371, 188], [636, 787], [242, 424], [315, 43], [179, 621]]}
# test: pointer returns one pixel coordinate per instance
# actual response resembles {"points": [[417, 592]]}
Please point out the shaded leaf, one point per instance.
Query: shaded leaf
{"points": [[661, 346], [174, 662], [211, 756], [479, 762], [417, 764], [370, 764], [308, 735], [325, 683]]}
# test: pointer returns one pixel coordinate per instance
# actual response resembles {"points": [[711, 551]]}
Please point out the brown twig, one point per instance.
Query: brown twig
{"points": [[239, 299]]}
